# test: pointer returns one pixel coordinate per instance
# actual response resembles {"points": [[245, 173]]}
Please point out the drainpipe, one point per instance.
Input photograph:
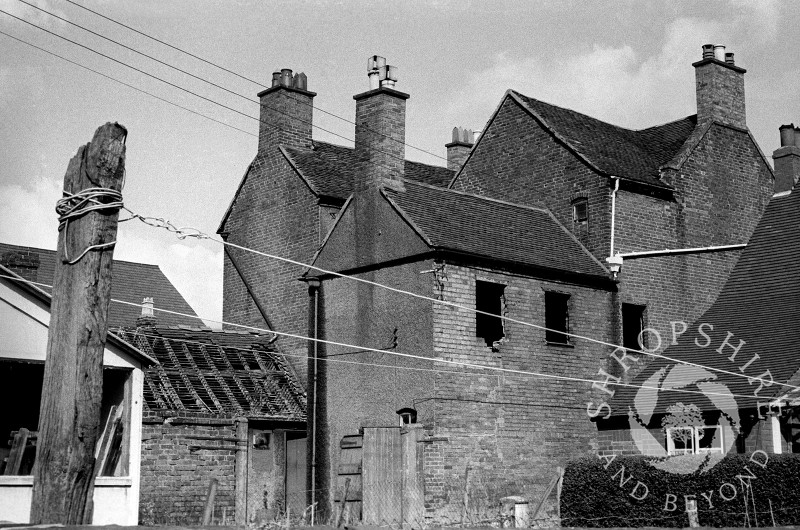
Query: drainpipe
{"points": [[313, 291], [614, 262], [613, 211]]}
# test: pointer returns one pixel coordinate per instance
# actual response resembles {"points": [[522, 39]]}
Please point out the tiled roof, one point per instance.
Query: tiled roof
{"points": [[217, 373], [465, 223], [330, 169], [760, 304], [131, 282], [630, 154]]}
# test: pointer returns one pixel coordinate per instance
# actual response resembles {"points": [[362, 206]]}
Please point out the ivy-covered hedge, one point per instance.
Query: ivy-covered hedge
{"points": [[653, 491]]}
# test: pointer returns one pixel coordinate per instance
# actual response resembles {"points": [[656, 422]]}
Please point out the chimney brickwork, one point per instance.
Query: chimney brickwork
{"points": [[286, 112], [719, 87], [380, 131], [458, 149], [787, 159]]}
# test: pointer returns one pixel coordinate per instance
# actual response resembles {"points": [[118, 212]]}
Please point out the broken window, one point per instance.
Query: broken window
{"points": [[632, 325], [21, 384], [556, 314], [580, 211], [489, 298]]}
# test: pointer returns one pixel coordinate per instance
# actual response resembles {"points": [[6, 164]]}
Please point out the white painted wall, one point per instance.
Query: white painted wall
{"points": [[23, 336]]}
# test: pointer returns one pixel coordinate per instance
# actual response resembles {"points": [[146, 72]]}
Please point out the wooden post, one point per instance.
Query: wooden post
{"points": [[240, 470], [69, 420]]}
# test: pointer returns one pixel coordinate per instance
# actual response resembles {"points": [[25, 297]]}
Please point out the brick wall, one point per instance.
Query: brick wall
{"points": [[275, 213], [513, 444], [720, 194], [518, 161], [175, 479], [509, 446]]}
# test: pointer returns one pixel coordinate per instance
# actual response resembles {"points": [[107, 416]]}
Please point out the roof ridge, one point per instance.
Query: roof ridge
{"points": [[38, 249], [476, 196], [576, 112], [314, 142]]}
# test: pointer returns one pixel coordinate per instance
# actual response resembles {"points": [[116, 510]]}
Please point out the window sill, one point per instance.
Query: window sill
{"points": [[560, 344], [100, 482]]}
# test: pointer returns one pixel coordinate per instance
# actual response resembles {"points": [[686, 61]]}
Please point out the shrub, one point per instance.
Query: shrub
{"points": [[741, 489]]}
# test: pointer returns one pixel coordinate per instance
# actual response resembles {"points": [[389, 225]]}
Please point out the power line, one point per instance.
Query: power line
{"points": [[128, 85], [184, 232], [199, 234], [241, 76], [509, 371], [212, 101]]}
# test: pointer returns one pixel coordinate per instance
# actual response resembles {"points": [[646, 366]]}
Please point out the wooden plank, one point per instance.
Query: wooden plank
{"points": [[240, 472], [352, 442], [121, 470], [349, 469], [69, 419], [382, 477], [106, 440], [17, 452]]}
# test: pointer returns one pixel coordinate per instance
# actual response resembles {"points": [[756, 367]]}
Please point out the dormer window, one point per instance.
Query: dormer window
{"points": [[580, 212]]}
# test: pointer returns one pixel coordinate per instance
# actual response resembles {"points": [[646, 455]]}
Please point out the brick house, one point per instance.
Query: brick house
{"points": [[218, 405], [286, 203], [750, 332], [698, 182], [523, 229]]}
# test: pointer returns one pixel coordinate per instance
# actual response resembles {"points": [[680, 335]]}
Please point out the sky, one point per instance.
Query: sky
{"points": [[626, 62]]}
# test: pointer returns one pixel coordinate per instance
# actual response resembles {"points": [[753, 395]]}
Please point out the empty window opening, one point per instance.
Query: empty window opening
{"points": [[633, 322], [556, 311], [489, 298], [580, 211], [21, 384]]}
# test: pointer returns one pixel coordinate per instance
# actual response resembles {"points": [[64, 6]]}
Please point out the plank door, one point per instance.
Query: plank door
{"points": [[296, 500], [382, 476]]}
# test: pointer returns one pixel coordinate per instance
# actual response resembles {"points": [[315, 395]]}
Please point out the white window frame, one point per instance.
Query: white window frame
{"points": [[697, 434]]}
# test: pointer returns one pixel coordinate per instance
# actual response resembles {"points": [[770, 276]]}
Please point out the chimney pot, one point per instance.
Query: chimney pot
{"points": [[708, 51], [788, 135], [147, 319], [276, 78], [719, 52], [286, 77], [300, 81], [729, 58], [458, 150]]}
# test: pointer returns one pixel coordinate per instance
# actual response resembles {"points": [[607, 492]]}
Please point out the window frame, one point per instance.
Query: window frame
{"points": [[695, 440], [576, 219], [642, 325], [487, 327], [557, 337]]}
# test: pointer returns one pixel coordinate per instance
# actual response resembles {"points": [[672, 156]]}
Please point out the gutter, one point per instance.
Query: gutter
{"points": [[678, 251]]}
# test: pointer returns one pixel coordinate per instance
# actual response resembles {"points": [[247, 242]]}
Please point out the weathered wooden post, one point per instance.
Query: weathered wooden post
{"points": [[69, 420]]}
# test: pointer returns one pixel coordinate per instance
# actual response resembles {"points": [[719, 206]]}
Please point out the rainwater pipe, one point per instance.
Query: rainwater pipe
{"points": [[614, 261], [313, 287]]}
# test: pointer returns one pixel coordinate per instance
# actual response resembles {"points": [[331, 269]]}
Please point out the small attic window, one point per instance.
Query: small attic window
{"points": [[580, 211], [489, 298]]}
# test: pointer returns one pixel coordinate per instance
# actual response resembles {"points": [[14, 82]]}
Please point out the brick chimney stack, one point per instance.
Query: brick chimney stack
{"points": [[787, 159], [720, 87], [147, 319], [380, 128], [286, 112], [458, 150]]}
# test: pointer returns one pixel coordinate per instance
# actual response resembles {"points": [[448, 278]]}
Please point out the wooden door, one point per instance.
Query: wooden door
{"points": [[296, 501]]}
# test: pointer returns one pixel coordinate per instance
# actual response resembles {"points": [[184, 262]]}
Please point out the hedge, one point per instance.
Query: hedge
{"points": [[751, 489]]}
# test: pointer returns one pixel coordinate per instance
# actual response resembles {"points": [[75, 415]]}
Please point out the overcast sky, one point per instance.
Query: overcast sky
{"points": [[626, 62]]}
